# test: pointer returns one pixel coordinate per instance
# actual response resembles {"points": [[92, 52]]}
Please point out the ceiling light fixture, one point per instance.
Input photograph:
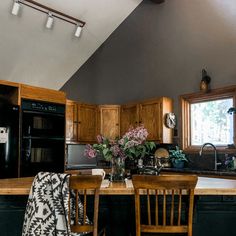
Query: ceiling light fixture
{"points": [[15, 8], [78, 31], [49, 22], [52, 13]]}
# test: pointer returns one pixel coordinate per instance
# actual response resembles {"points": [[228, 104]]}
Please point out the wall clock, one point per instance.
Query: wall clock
{"points": [[170, 120]]}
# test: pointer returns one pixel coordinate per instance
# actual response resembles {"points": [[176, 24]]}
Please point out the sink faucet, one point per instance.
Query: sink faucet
{"points": [[213, 146]]}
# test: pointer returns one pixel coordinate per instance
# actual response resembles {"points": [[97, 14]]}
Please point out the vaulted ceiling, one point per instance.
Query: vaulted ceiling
{"points": [[32, 54]]}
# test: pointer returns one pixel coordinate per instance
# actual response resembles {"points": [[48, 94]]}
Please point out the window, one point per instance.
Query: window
{"points": [[205, 118]]}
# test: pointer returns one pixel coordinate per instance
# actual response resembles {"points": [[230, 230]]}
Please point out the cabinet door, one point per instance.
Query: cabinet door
{"points": [[71, 121], [110, 121], [149, 114], [87, 123], [128, 117]]}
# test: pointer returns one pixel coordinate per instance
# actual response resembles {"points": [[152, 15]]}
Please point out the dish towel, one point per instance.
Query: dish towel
{"points": [[47, 207]]}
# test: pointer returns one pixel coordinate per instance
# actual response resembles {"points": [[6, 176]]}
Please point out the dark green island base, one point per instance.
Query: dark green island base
{"points": [[213, 215]]}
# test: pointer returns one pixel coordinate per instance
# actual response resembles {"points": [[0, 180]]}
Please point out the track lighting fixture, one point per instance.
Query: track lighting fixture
{"points": [[78, 31], [49, 22], [15, 8], [52, 13]]}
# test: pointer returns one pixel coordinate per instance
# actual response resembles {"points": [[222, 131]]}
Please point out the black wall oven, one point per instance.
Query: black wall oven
{"points": [[42, 137]]}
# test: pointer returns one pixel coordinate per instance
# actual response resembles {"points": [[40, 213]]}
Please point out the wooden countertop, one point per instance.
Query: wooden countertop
{"points": [[205, 186]]}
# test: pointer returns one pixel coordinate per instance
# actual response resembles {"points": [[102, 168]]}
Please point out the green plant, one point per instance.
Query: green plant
{"points": [[177, 155]]}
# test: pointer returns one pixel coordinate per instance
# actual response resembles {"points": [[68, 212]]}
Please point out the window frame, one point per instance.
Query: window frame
{"points": [[185, 102]]}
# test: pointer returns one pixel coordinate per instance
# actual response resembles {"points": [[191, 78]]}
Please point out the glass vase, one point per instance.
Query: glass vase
{"points": [[117, 169]]}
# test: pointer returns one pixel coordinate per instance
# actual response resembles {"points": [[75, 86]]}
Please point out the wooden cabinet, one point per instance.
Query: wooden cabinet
{"points": [[81, 122], [87, 122], [71, 121], [42, 94], [151, 113], [16, 91], [129, 116], [109, 121]]}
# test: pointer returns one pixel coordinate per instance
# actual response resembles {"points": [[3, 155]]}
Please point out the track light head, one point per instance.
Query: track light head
{"points": [[50, 20], [15, 8], [78, 31]]}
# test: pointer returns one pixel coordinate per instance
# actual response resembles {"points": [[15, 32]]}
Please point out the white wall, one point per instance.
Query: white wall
{"points": [[31, 54]]}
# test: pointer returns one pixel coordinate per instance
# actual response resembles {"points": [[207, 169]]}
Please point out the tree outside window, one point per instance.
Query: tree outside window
{"points": [[204, 118]]}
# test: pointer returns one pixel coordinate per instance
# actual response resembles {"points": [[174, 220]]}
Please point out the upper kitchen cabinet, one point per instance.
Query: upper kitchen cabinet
{"points": [[129, 117], [71, 121], [15, 92], [9, 92], [42, 94], [151, 114], [81, 122], [87, 122], [109, 121]]}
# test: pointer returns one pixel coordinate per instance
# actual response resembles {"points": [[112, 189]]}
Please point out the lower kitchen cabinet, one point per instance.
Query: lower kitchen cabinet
{"points": [[12, 210], [213, 215]]}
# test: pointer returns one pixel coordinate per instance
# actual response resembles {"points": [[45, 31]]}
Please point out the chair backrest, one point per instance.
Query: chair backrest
{"points": [[83, 185], [161, 203]]}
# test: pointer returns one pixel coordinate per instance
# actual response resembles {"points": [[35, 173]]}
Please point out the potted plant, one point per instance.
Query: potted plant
{"points": [[177, 158]]}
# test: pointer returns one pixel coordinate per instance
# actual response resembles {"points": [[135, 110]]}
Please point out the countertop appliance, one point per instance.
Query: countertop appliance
{"points": [[42, 137], [9, 139]]}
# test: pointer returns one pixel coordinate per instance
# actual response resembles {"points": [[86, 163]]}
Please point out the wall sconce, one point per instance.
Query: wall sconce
{"points": [[52, 13]]}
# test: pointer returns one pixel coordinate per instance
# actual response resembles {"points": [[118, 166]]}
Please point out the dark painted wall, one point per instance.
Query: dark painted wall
{"points": [[160, 50]]}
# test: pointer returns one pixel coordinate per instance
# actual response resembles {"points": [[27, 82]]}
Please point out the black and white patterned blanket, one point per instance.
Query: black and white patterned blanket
{"points": [[47, 207]]}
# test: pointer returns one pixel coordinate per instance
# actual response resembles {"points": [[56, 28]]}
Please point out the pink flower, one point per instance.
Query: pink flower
{"points": [[90, 152], [99, 138]]}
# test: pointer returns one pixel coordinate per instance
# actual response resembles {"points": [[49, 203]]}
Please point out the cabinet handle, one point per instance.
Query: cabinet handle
{"points": [[117, 124]]}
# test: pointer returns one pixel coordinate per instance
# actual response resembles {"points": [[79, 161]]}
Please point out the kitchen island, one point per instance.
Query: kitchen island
{"points": [[205, 186], [215, 206]]}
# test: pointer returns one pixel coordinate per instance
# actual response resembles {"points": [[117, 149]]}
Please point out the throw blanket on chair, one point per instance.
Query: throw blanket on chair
{"points": [[47, 207]]}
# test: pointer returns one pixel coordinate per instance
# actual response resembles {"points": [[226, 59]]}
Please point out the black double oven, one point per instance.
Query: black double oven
{"points": [[42, 137]]}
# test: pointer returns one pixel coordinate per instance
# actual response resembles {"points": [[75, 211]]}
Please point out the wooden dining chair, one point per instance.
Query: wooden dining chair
{"points": [[163, 202], [84, 188]]}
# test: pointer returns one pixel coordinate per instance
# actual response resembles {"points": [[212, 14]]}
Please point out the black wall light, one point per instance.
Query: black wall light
{"points": [[232, 110]]}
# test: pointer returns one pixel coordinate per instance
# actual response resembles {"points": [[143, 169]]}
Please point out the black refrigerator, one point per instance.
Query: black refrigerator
{"points": [[9, 139]]}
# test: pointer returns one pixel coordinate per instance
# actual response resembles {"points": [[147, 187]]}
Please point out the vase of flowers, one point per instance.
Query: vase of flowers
{"points": [[117, 169], [132, 145]]}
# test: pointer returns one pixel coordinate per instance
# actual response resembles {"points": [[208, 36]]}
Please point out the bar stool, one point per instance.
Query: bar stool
{"points": [[167, 199]]}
